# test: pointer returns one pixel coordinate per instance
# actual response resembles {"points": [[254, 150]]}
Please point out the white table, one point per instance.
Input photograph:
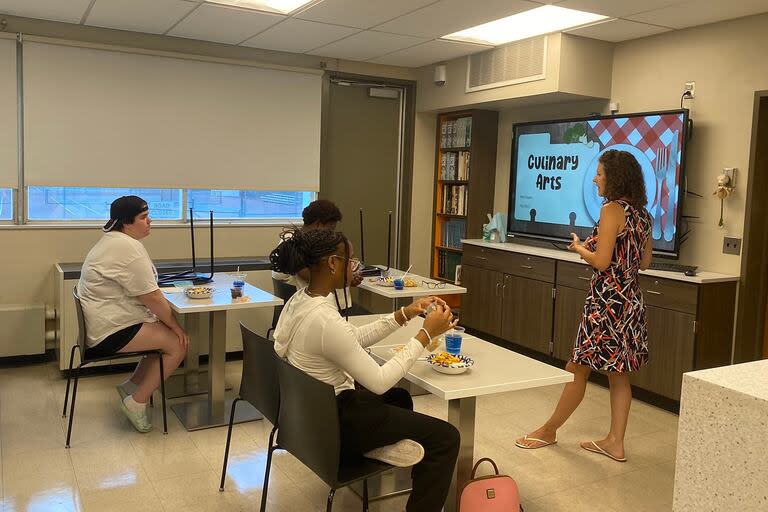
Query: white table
{"points": [[496, 370], [413, 291], [213, 411]]}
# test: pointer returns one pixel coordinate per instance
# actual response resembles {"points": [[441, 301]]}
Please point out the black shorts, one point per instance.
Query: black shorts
{"points": [[113, 343]]}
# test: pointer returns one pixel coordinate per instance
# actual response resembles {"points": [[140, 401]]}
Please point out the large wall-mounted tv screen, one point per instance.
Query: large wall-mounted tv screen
{"points": [[551, 192]]}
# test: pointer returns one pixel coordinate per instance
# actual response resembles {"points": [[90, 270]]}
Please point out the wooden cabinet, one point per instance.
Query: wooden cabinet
{"points": [[671, 338], [481, 306], [569, 305], [527, 307], [689, 324]]}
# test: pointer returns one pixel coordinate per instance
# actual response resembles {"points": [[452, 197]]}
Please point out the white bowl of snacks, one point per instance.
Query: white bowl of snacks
{"points": [[199, 292], [450, 364]]}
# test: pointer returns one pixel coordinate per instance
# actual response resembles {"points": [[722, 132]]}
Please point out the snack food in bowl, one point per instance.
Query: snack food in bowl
{"points": [[450, 364], [390, 281], [199, 292]]}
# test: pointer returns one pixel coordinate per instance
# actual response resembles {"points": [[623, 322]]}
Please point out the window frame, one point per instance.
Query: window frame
{"points": [[19, 221]]}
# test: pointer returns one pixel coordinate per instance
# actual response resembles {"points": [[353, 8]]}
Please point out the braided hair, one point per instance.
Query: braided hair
{"points": [[302, 249]]}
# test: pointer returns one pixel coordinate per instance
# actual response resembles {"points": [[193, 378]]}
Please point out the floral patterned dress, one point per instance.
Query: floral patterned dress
{"points": [[612, 335]]}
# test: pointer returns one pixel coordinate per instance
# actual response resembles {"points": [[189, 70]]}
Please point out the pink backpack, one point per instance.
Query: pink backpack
{"points": [[492, 493]]}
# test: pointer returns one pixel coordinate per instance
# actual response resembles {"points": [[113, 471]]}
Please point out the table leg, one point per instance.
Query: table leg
{"points": [[461, 414], [213, 411]]}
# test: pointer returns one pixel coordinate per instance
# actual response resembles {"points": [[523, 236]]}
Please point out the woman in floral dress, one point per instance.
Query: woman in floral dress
{"points": [[612, 335]]}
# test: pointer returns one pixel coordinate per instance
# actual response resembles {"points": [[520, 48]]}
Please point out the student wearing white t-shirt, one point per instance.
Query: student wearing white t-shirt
{"points": [[124, 309], [377, 421]]}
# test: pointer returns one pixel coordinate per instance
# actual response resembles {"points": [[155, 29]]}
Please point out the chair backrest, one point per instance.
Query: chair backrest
{"points": [[309, 422], [82, 335], [259, 385], [283, 290]]}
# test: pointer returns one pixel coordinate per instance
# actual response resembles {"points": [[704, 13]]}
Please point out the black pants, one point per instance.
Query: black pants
{"points": [[369, 421]]}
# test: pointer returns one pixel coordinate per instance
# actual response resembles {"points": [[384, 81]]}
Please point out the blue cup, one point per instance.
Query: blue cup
{"points": [[453, 341], [398, 284]]}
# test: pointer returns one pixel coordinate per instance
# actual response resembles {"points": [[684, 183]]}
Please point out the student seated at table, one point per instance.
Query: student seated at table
{"points": [[377, 421], [124, 309], [321, 214]]}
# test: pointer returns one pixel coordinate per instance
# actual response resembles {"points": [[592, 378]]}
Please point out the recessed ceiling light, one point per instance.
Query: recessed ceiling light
{"points": [[280, 6], [542, 20]]}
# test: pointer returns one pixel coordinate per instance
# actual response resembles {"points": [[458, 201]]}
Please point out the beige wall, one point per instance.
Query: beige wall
{"points": [[727, 61], [423, 193]]}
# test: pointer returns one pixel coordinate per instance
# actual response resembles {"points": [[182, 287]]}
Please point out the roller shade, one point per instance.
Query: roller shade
{"points": [[9, 170], [111, 119]]}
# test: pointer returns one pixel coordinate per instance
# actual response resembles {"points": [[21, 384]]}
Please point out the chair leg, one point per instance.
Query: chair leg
{"points": [[162, 392], [72, 409], [69, 377], [229, 438], [330, 500], [365, 495], [271, 448]]}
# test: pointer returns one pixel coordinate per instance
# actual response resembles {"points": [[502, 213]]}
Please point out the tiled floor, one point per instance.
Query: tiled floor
{"points": [[111, 467]]}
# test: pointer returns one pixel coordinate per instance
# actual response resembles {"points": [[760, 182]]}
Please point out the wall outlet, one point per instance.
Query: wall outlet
{"points": [[731, 173], [691, 88], [731, 245]]}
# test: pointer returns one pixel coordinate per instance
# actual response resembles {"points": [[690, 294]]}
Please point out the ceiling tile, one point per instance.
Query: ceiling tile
{"points": [[224, 24], [69, 11], [429, 53], [618, 30], [366, 45], [448, 16], [299, 36], [701, 12], [617, 8], [360, 13], [150, 16]]}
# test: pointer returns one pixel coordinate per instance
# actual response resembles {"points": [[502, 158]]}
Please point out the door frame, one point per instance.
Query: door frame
{"points": [[407, 129], [753, 285]]}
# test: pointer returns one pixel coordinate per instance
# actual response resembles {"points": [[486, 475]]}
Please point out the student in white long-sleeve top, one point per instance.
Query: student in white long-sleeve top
{"points": [[378, 420]]}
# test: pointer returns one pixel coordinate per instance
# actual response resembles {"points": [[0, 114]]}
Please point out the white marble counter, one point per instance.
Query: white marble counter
{"points": [[722, 435], [701, 277]]}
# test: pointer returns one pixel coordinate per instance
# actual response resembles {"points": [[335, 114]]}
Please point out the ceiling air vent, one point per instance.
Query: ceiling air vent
{"points": [[521, 61]]}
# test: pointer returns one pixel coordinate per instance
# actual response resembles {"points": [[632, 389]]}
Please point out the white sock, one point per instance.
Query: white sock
{"points": [[129, 387], [133, 405]]}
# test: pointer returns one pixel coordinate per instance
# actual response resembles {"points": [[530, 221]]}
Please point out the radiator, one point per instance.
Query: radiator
{"points": [[22, 329]]}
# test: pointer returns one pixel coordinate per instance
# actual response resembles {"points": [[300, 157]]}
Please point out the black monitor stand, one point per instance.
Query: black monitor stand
{"points": [[369, 270], [191, 275]]}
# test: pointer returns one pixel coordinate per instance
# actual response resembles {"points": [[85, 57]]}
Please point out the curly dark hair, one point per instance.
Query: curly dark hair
{"points": [[322, 211], [302, 249], [623, 178]]}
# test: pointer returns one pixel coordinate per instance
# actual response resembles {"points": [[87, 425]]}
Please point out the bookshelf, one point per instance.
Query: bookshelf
{"points": [[465, 175]]}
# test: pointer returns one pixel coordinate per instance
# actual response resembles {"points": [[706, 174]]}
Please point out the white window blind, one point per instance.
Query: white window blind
{"points": [[9, 170], [111, 119]]}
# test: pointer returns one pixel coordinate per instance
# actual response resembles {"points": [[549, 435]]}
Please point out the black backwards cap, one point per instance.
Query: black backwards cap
{"points": [[123, 210]]}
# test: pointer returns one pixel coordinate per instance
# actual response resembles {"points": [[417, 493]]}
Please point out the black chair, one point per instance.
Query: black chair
{"points": [[309, 430], [285, 291], [85, 360], [258, 387]]}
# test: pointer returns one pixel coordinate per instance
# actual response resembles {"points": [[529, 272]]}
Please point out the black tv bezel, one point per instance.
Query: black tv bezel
{"points": [[583, 231]]}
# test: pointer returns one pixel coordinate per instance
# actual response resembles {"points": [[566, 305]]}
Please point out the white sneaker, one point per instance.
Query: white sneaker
{"points": [[403, 453]]}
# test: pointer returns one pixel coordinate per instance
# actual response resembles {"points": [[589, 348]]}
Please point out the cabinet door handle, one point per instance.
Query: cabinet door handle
{"points": [[653, 292], [497, 288], [528, 267], [585, 278], [480, 258]]}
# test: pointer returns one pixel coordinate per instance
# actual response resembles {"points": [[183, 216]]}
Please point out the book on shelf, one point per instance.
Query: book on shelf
{"points": [[453, 231], [446, 265], [454, 200], [456, 133]]}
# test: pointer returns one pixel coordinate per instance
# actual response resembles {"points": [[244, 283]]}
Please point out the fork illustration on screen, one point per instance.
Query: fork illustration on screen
{"points": [[660, 171], [671, 175]]}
